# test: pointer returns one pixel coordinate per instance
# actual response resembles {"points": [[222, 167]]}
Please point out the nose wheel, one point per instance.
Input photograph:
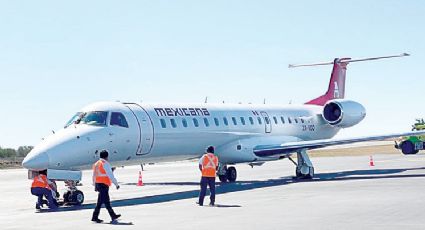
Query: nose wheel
{"points": [[73, 196], [227, 174]]}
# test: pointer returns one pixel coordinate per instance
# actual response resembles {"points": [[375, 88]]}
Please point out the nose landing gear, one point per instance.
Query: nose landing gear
{"points": [[226, 174], [73, 196]]}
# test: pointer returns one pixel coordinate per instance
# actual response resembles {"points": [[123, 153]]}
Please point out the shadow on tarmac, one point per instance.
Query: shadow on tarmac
{"points": [[238, 186]]}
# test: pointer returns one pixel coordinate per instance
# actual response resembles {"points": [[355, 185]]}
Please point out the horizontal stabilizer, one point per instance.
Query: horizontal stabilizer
{"points": [[343, 60]]}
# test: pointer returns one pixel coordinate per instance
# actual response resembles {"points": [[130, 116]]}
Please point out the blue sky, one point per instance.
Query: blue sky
{"points": [[57, 56]]}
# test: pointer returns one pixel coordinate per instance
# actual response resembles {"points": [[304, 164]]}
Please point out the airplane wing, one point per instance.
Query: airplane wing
{"points": [[291, 147]]}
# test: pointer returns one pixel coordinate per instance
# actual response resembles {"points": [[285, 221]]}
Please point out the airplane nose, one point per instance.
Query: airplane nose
{"points": [[36, 162]]}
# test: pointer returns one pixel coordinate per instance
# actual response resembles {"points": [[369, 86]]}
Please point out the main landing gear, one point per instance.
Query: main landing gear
{"points": [[304, 169], [73, 196], [226, 174]]}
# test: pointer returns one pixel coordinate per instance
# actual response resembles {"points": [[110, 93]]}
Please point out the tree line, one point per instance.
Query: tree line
{"points": [[22, 151]]}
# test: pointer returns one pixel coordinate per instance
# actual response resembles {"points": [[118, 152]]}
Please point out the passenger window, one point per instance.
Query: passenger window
{"points": [[163, 124], [226, 123], [251, 120], [173, 123], [275, 120], [283, 120], [267, 120], [259, 120], [206, 122], [302, 120], [234, 121], [243, 121], [289, 120], [296, 120], [118, 119], [184, 122], [195, 122], [216, 121]]}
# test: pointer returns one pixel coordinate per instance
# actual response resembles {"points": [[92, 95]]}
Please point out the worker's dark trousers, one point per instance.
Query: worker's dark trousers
{"points": [[40, 192], [210, 181], [103, 198]]}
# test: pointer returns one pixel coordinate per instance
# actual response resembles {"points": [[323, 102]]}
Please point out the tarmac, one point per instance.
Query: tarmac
{"points": [[346, 193]]}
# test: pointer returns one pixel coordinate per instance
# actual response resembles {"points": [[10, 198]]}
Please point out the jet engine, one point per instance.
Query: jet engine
{"points": [[343, 113]]}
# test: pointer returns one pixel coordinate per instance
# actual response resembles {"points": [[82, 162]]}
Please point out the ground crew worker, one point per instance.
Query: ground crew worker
{"points": [[41, 186], [208, 164], [102, 178]]}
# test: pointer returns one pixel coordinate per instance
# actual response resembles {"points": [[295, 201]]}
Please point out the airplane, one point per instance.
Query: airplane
{"points": [[136, 133]]}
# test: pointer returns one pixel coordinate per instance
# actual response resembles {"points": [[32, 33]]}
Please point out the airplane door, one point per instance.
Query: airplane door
{"points": [[146, 128], [267, 122]]}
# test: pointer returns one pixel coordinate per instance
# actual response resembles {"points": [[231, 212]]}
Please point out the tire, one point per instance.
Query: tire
{"points": [[222, 178], [78, 197], [310, 175], [298, 173], [66, 197], [407, 148], [231, 174]]}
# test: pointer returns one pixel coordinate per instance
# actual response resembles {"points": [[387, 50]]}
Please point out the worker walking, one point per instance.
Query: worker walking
{"points": [[208, 164], [103, 177], [41, 186]]}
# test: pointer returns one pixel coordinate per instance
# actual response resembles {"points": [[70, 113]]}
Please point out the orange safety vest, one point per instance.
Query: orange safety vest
{"points": [[40, 181], [100, 173], [209, 164]]}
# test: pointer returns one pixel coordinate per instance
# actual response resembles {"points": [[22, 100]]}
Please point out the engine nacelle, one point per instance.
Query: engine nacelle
{"points": [[343, 113]]}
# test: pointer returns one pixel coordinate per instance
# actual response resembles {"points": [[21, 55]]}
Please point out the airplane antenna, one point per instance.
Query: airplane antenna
{"points": [[264, 101], [206, 99], [347, 60]]}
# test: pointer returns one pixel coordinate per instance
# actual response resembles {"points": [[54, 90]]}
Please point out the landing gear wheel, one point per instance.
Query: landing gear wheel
{"points": [[66, 197], [222, 178], [231, 174], [407, 147], [78, 197], [73, 197], [308, 175]]}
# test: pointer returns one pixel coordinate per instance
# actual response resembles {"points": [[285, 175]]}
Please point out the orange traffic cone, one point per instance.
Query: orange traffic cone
{"points": [[371, 161], [140, 182]]}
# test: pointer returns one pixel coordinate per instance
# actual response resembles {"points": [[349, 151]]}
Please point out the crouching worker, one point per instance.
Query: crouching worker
{"points": [[41, 186]]}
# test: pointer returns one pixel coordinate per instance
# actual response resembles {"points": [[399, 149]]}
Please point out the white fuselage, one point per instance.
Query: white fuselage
{"points": [[157, 133]]}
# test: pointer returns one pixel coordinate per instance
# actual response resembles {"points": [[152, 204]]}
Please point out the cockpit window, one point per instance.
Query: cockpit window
{"points": [[118, 119], [73, 119], [93, 118]]}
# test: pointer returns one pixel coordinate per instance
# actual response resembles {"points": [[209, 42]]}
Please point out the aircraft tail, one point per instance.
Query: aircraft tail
{"points": [[336, 88]]}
